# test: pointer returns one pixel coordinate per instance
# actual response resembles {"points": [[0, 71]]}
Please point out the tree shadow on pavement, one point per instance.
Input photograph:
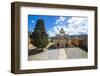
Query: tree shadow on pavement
{"points": [[34, 51]]}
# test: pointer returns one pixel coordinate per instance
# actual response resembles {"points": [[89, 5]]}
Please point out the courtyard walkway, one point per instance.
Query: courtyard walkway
{"points": [[62, 53]]}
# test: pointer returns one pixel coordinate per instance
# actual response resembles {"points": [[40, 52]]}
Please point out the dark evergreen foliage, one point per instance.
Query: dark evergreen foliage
{"points": [[39, 36]]}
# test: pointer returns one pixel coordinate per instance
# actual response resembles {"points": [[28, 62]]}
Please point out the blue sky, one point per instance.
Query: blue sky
{"points": [[53, 24]]}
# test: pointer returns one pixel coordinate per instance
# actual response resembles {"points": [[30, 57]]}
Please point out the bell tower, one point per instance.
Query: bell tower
{"points": [[62, 32]]}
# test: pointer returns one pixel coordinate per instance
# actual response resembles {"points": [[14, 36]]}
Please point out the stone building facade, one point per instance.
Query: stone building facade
{"points": [[60, 40], [63, 40]]}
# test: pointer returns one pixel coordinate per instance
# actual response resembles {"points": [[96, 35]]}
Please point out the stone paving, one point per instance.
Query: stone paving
{"points": [[76, 53], [62, 53]]}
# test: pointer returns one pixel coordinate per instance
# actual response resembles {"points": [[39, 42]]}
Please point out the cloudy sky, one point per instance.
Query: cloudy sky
{"points": [[53, 24]]}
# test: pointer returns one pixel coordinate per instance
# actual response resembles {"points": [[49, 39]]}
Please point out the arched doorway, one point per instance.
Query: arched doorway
{"points": [[57, 45], [66, 45]]}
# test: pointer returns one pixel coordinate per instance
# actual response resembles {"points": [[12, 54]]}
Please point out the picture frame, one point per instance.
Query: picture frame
{"points": [[18, 37]]}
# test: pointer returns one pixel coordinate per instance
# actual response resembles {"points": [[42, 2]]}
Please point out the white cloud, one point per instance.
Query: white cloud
{"points": [[51, 34], [79, 25], [33, 21], [73, 26], [55, 30], [60, 20]]}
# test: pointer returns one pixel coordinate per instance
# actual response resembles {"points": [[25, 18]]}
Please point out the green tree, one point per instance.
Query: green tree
{"points": [[39, 36]]}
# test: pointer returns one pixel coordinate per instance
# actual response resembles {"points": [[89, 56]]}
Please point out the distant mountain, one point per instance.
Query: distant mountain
{"points": [[79, 36], [71, 36]]}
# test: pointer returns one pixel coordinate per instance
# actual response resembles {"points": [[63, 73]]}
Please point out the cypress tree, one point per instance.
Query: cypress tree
{"points": [[39, 36]]}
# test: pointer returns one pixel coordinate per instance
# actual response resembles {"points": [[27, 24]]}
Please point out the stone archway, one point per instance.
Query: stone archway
{"points": [[66, 45], [58, 45]]}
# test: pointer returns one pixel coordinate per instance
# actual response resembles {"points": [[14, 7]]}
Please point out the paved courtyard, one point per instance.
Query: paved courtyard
{"points": [[62, 53]]}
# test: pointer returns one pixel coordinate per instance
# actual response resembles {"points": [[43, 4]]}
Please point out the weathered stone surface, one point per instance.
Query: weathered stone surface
{"points": [[62, 53]]}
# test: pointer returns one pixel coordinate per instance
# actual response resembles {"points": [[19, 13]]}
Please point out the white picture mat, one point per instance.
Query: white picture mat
{"points": [[25, 64]]}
